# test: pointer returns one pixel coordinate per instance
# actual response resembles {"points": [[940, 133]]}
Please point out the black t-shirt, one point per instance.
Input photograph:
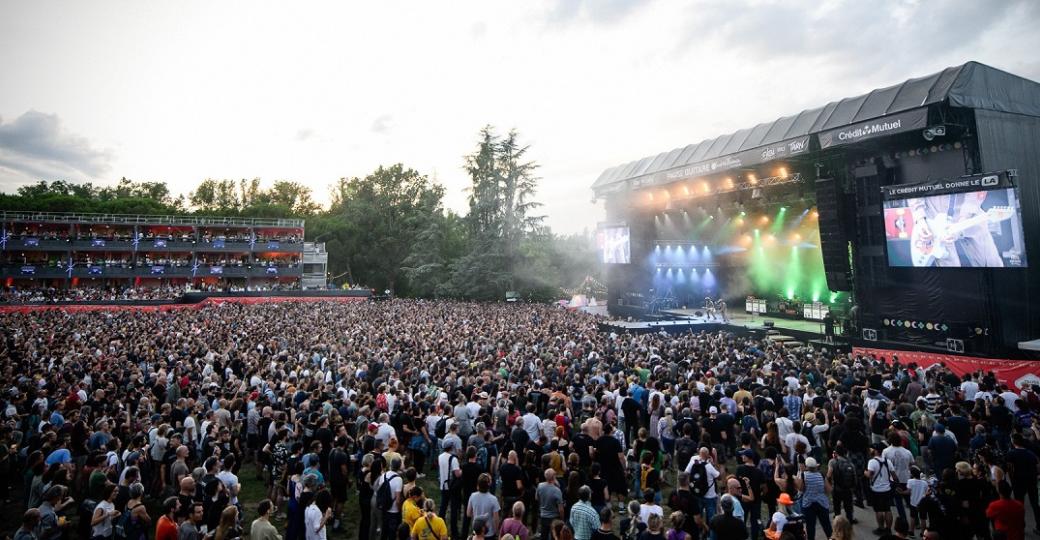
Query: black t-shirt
{"points": [[581, 444], [337, 459], [598, 534], [470, 473], [597, 485], [755, 480], [1022, 463], [510, 474], [607, 450], [728, 527]]}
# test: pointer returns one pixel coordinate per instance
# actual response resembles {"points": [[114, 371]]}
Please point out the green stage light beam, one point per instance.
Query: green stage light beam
{"points": [[778, 221]]}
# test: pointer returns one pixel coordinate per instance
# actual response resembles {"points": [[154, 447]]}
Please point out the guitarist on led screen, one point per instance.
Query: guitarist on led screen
{"points": [[953, 230]]}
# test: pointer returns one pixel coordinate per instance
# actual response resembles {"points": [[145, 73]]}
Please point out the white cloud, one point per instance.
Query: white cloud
{"points": [[319, 91]]}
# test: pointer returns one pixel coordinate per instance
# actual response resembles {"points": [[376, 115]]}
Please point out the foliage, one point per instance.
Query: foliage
{"points": [[386, 230]]}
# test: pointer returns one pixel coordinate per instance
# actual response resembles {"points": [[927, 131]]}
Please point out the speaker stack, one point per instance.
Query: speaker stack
{"points": [[834, 243]]}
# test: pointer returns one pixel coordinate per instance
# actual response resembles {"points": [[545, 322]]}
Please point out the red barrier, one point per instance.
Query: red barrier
{"points": [[1012, 372], [218, 300]]}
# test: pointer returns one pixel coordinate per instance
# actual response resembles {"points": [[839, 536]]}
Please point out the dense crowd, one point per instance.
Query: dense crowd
{"points": [[62, 295], [529, 421]]}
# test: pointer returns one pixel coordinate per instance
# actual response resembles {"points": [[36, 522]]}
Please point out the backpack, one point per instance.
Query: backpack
{"points": [[795, 527], [684, 451], [441, 429], [844, 474], [699, 483], [385, 496], [126, 528]]}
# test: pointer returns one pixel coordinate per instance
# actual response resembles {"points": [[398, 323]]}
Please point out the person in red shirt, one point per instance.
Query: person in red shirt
{"points": [[166, 528], [1008, 515]]}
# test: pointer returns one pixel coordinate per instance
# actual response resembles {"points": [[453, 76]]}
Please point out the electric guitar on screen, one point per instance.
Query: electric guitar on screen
{"points": [[925, 251]]}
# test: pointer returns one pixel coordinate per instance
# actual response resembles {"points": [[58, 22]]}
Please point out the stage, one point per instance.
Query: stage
{"points": [[790, 331]]}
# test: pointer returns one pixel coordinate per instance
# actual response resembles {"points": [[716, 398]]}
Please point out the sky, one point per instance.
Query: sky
{"points": [[312, 91]]}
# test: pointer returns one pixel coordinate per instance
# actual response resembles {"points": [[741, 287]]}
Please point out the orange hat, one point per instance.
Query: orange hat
{"points": [[785, 499]]}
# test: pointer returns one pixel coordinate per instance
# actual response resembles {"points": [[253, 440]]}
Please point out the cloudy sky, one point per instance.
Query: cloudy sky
{"points": [[182, 91]]}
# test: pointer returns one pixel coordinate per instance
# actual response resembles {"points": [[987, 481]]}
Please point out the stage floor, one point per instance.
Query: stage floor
{"points": [[747, 321]]}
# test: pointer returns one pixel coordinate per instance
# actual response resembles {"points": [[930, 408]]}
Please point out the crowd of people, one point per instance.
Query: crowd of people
{"points": [[441, 420], [63, 295]]}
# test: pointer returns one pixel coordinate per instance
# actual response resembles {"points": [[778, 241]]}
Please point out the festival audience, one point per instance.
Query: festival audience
{"points": [[524, 412]]}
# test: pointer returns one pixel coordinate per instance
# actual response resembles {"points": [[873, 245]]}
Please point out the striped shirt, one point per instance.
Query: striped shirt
{"points": [[584, 520], [814, 490]]}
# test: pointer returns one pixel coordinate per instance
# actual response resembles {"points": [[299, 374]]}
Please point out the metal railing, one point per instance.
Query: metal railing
{"points": [[142, 219]]}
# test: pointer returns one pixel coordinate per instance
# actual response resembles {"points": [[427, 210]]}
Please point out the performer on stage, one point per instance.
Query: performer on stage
{"points": [[721, 306], [976, 242], [709, 308]]}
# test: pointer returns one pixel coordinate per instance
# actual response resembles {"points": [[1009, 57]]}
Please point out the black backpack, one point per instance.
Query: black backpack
{"points": [[385, 496], [699, 483], [795, 527], [844, 474], [685, 449], [441, 429]]}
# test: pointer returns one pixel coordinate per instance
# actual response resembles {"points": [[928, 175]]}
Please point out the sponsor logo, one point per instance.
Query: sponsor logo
{"points": [[798, 146], [869, 129], [1027, 379], [990, 180]]}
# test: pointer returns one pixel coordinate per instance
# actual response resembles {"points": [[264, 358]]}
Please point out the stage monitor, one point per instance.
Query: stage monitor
{"points": [[614, 245], [968, 222]]}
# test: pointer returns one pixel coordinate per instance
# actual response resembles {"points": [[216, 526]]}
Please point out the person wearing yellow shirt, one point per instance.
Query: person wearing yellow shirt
{"points": [[411, 510], [429, 526]]}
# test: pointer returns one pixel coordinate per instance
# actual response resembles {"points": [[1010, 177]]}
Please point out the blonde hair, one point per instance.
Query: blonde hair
{"points": [[842, 528]]}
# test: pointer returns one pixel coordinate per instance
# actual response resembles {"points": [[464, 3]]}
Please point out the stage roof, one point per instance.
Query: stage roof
{"points": [[971, 85]]}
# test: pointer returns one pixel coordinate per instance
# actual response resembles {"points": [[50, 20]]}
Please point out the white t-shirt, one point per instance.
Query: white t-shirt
{"points": [[230, 481], [880, 482], [385, 433], [396, 485], [444, 473], [105, 527], [784, 427], [1009, 400], [918, 488], [647, 510], [900, 459], [311, 520], [792, 440], [713, 476], [969, 388]]}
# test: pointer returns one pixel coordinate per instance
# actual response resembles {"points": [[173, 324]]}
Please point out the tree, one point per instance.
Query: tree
{"points": [[502, 186], [383, 215]]}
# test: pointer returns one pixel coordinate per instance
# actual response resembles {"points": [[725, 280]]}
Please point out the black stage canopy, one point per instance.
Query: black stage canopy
{"points": [[885, 111]]}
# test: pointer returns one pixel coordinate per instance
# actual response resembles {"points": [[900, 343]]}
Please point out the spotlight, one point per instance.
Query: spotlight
{"points": [[782, 173], [685, 190], [650, 196], [665, 194], [705, 187], [815, 214], [751, 178], [729, 183]]}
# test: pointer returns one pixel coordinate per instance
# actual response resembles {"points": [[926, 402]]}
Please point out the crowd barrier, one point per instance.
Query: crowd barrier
{"points": [[1012, 372]]}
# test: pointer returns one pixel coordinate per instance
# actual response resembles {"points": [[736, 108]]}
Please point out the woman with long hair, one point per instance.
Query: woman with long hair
{"points": [[842, 528], [228, 528]]}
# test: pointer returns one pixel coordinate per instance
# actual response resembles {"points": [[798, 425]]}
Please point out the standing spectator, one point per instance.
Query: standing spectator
{"points": [[1008, 514], [261, 528], [166, 527], [879, 477], [725, 526], [1022, 470], [550, 503], [484, 506], [584, 518]]}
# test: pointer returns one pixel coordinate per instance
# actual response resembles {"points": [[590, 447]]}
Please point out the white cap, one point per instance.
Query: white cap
{"points": [[713, 410]]}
